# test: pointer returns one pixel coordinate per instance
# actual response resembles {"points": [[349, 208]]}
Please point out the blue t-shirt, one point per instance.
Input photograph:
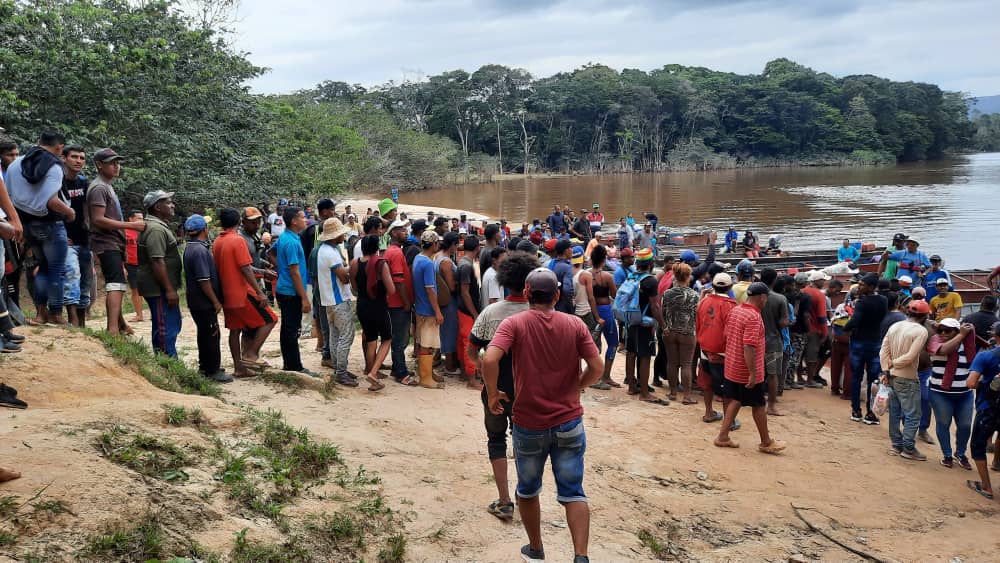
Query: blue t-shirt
{"points": [[930, 282], [290, 253], [910, 263], [423, 277], [849, 254], [987, 365]]}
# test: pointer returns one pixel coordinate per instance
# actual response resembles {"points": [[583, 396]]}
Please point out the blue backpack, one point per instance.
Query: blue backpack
{"points": [[626, 306]]}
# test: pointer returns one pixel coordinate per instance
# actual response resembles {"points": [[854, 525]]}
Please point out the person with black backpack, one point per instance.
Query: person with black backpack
{"points": [[983, 377]]}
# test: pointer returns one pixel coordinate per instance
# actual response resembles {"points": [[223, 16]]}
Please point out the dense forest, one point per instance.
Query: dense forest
{"points": [[167, 89]]}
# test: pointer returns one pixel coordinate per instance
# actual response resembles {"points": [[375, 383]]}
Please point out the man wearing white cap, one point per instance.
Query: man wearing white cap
{"points": [[160, 272], [818, 326]]}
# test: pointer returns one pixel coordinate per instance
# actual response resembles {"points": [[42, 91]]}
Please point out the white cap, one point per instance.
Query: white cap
{"points": [[905, 280], [399, 223], [817, 275], [722, 279], [951, 323]]}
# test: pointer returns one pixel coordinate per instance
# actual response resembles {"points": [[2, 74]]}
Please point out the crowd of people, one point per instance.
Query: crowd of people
{"points": [[513, 314]]}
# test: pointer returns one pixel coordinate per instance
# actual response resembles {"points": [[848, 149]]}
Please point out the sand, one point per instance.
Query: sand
{"points": [[649, 468]]}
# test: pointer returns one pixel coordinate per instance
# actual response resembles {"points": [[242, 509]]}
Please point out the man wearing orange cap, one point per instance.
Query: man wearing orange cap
{"points": [[899, 357]]}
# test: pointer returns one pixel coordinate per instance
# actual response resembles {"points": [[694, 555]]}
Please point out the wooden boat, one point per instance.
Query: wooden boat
{"points": [[971, 285]]}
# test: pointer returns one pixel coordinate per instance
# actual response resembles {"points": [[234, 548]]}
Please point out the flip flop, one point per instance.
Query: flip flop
{"points": [[978, 487], [774, 447], [613, 383], [374, 384], [689, 401], [434, 386], [660, 402], [726, 444], [409, 381], [258, 363], [716, 417]]}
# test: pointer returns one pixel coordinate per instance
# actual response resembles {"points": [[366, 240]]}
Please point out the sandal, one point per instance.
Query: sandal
{"points": [[374, 384], [726, 444], [689, 401], [409, 381], [716, 417], [258, 363], [661, 402], [978, 487], [502, 510], [774, 447]]}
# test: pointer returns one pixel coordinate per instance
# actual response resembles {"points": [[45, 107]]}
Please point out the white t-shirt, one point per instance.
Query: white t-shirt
{"points": [[331, 290], [276, 224], [491, 288]]}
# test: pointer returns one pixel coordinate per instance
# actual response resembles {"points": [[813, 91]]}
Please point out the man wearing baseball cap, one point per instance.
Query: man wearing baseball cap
{"points": [[946, 304], [427, 309], [710, 328], [546, 348], [203, 297], [401, 302], [626, 266], [911, 261], [935, 273], [160, 272], [744, 277], [744, 369], [887, 266], [899, 357], [107, 234], [819, 329]]}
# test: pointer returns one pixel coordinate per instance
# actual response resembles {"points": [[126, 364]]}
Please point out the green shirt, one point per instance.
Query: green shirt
{"points": [[157, 241]]}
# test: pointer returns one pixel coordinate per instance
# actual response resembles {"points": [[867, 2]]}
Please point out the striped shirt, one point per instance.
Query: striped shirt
{"points": [[938, 364]]}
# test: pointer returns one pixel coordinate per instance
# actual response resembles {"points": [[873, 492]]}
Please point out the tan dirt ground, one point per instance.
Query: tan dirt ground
{"points": [[429, 447]]}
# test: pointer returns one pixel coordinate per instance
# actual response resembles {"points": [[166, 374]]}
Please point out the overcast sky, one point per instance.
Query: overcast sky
{"points": [[953, 43]]}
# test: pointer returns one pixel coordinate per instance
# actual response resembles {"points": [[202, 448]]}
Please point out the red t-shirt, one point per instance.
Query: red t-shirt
{"points": [[710, 324], [131, 247], [230, 253], [545, 349], [744, 328], [818, 301], [400, 273]]}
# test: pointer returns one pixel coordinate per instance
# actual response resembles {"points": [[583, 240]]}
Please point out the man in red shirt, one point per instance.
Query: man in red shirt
{"points": [[819, 329], [546, 347], [744, 379], [401, 302], [244, 304], [710, 326], [132, 265]]}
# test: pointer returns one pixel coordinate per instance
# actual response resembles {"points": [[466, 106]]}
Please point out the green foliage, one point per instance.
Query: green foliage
{"points": [[149, 455], [394, 550], [177, 415], [987, 135], [140, 542], [248, 551]]}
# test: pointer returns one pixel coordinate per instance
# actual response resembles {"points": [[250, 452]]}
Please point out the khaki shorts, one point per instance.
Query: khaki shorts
{"points": [[813, 343], [428, 332], [773, 363]]}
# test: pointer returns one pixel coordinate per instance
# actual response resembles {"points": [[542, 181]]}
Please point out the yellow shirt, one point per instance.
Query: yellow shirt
{"points": [[945, 306]]}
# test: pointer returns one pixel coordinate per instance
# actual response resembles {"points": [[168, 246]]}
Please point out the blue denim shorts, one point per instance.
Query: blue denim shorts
{"points": [[565, 444]]}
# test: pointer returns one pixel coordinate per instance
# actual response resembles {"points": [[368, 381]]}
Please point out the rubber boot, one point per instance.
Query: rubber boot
{"points": [[425, 367]]}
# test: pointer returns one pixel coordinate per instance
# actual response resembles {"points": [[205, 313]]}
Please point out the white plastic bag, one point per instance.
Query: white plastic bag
{"points": [[881, 403]]}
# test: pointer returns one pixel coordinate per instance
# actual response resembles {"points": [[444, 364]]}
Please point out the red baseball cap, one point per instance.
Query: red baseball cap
{"points": [[919, 307], [550, 245], [627, 252]]}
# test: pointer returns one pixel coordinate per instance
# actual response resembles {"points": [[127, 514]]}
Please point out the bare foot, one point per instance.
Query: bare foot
{"points": [[8, 474], [136, 319]]}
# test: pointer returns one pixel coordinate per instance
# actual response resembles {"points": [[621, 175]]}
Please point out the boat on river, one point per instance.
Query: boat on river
{"points": [[971, 285]]}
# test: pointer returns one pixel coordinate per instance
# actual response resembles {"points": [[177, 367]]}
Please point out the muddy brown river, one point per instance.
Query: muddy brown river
{"points": [[951, 206]]}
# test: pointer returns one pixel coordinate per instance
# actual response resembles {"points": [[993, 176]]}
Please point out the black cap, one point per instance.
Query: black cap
{"points": [[325, 203], [899, 236], [870, 279], [450, 239], [440, 221], [935, 258], [418, 226], [758, 288], [562, 246]]}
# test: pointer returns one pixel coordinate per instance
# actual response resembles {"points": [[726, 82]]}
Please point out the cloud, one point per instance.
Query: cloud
{"points": [[952, 44]]}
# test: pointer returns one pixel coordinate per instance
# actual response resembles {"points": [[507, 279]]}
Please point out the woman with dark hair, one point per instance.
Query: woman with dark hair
{"points": [[604, 295], [372, 283], [446, 269]]}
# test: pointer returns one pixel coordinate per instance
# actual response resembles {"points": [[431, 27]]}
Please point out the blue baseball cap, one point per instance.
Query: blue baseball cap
{"points": [[195, 224], [688, 255], [745, 267]]}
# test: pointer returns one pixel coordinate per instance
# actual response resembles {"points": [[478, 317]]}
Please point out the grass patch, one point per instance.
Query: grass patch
{"points": [[162, 371], [149, 455], [16, 516], [340, 529], [283, 379], [141, 542], [649, 540], [394, 550], [248, 551], [176, 415]]}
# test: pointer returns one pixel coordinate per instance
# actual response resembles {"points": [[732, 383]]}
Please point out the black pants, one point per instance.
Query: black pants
{"points": [[660, 361], [291, 321], [209, 352]]}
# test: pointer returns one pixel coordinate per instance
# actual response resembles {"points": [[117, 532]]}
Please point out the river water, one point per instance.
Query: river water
{"points": [[950, 206]]}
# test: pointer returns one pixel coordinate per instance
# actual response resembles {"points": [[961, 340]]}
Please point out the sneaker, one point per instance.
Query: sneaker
{"points": [[502, 510], [925, 437], [914, 454], [856, 415], [893, 450], [871, 419], [794, 385], [820, 380], [327, 363], [8, 398], [531, 555], [948, 462], [814, 385], [309, 372], [9, 336], [347, 380], [220, 377], [8, 347], [581, 559]]}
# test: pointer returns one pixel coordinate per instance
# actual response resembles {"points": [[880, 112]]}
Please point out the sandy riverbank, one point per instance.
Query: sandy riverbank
{"points": [[649, 469]]}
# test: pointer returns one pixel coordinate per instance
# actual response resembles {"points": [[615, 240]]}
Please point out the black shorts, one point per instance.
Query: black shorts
{"points": [[718, 374], [133, 275], [113, 269], [374, 321], [752, 397], [985, 425], [641, 341]]}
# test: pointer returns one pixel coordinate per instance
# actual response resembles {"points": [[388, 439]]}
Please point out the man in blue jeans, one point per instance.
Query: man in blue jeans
{"points": [[899, 357], [291, 289], [160, 270], [865, 331], [546, 347], [34, 182], [982, 375]]}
